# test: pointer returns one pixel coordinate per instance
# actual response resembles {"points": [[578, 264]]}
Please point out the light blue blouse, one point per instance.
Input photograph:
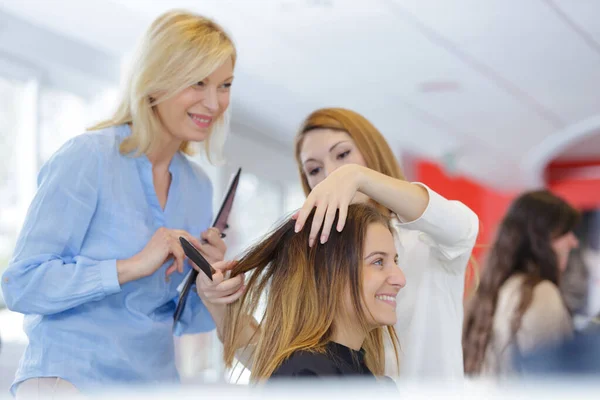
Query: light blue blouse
{"points": [[95, 206]]}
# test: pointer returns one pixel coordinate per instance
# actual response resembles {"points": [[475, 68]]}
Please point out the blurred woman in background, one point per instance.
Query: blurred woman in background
{"points": [[518, 306]]}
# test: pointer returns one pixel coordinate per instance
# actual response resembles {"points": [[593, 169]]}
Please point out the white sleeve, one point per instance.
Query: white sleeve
{"points": [[450, 226], [433, 252]]}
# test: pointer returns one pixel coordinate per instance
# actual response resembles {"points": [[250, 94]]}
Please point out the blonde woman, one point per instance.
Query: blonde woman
{"points": [[97, 264]]}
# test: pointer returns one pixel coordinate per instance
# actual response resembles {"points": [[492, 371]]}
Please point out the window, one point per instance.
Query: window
{"points": [[258, 206], [62, 116], [11, 105]]}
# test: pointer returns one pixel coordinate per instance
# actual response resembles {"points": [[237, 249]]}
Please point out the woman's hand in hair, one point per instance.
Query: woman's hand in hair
{"points": [[353, 183], [162, 246], [336, 192], [221, 290]]}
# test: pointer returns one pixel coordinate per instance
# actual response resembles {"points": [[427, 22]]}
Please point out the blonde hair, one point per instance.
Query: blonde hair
{"points": [[305, 289], [178, 50]]}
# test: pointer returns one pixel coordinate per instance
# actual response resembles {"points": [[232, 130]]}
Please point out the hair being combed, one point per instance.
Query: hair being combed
{"points": [[305, 289]]}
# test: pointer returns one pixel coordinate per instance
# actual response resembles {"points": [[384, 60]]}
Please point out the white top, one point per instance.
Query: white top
{"points": [[433, 252], [545, 322]]}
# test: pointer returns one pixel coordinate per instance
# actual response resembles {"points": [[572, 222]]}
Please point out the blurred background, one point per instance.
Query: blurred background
{"points": [[479, 99]]}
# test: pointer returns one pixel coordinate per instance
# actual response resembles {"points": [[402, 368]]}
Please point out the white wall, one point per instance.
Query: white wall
{"points": [[261, 155], [60, 62]]}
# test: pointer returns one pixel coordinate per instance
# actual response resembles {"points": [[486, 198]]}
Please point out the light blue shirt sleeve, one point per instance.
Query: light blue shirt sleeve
{"points": [[47, 274]]}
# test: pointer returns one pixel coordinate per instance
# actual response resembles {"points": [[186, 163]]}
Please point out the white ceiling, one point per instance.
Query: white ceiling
{"points": [[487, 82]]}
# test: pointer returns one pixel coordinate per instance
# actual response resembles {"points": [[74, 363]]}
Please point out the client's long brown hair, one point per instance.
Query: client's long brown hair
{"points": [[305, 289]]}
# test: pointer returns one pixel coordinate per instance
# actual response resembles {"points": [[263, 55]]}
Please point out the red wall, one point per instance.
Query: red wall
{"points": [[488, 204], [578, 182]]}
